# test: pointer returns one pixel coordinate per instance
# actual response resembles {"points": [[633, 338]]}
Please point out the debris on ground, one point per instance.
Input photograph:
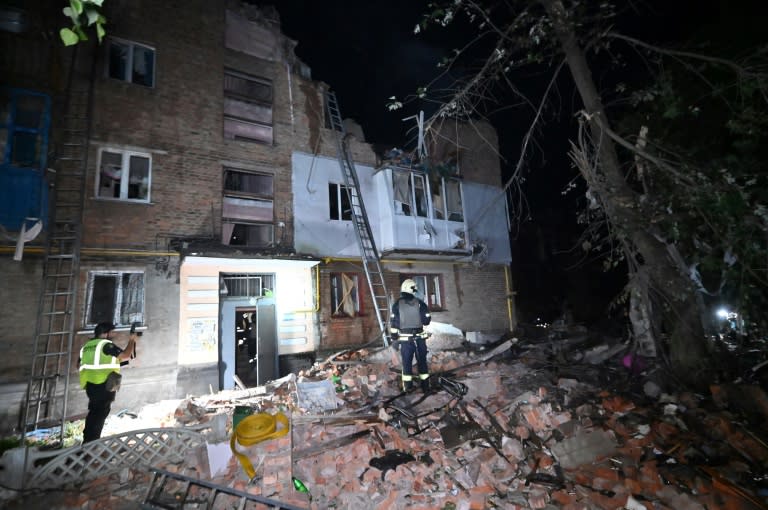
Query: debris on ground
{"points": [[531, 424]]}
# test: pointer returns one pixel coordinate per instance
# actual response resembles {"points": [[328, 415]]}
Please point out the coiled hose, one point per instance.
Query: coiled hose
{"points": [[254, 429]]}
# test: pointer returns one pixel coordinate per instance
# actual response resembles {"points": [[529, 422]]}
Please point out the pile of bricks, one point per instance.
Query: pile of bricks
{"points": [[517, 436]]}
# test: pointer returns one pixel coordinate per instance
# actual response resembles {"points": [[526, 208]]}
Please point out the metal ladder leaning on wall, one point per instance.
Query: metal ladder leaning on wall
{"points": [[48, 386], [368, 252]]}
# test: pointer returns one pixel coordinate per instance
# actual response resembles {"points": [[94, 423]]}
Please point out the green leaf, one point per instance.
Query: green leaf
{"points": [[77, 6], [100, 32], [68, 37], [93, 16], [70, 14], [97, 3], [81, 33]]}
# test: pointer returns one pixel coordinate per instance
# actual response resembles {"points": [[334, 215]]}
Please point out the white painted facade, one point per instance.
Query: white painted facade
{"points": [[484, 210]]}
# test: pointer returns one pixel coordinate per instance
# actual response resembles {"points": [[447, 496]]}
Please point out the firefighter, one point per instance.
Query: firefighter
{"points": [[409, 316], [100, 361]]}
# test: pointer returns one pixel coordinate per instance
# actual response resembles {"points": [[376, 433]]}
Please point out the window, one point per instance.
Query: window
{"points": [[131, 62], [338, 198], [248, 208], [247, 108], [430, 289], [345, 297], [124, 175], [116, 297], [410, 190], [24, 123], [453, 204]]}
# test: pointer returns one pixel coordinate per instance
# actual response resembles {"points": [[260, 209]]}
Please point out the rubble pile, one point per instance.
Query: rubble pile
{"points": [[507, 427]]}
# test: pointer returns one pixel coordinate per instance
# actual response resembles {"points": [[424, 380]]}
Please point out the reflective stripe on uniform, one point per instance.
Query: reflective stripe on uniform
{"points": [[97, 364], [407, 377]]}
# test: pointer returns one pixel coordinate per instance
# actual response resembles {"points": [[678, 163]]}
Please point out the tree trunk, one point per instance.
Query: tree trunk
{"points": [[688, 350]]}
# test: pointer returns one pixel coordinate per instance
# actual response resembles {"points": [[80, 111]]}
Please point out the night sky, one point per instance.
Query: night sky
{"points": [[367, 51]]}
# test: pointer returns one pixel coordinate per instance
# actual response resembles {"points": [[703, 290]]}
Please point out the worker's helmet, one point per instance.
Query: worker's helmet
{"points": [[409, 286], [103, 328]]}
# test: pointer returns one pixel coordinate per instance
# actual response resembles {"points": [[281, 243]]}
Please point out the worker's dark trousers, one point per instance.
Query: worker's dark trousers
{"points": [[99, 404], [418, 347]]}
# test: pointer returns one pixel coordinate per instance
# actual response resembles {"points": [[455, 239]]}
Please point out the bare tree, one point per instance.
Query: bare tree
{"points": [[666, 298]]}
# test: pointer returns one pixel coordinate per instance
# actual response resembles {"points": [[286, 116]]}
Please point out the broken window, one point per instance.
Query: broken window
{"points": [[338, 198], [116, 297], [453, 203], [123, 175], [247, 107], [410, 193], [345, 298], [430, 288], [248, 208], [131, 62]]}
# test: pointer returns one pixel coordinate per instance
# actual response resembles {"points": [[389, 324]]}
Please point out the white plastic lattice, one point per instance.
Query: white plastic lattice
{"points": [[147, 447]]}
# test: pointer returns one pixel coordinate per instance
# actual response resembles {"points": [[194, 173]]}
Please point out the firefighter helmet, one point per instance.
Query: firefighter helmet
{"points": [[409, 286]]}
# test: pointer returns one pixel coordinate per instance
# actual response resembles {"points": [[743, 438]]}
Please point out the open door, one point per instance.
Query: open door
{"points": [[256, 344]]}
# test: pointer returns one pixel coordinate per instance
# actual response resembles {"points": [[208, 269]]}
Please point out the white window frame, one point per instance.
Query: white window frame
{"points": [[430, 288], [125, 169], [340, 190], [446, 212], [413, 209], [120, 296], [129, 67]]}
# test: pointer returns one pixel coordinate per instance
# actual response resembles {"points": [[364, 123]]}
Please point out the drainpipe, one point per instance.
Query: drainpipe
{"points": [[510, 298]]}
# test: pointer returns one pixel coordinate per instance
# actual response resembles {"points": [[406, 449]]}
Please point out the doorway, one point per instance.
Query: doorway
{"points": [[248, 343], [256, 344]]}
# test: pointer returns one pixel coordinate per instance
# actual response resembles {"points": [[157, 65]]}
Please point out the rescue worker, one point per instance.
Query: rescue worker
{"points": [[409, 316], [99, 358]]}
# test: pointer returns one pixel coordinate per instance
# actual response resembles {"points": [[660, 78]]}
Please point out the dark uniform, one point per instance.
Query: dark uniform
{"points": [[409, 316]]}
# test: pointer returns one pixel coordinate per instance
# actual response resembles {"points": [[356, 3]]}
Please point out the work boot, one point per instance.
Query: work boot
{"points": [[407, 386], [425, 385]]}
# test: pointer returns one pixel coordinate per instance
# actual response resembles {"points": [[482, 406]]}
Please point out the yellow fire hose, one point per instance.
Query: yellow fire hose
{"points": [[255, 429]]}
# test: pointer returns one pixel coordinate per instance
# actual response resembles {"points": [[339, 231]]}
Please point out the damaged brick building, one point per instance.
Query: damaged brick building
{"points": [[212, 210]]}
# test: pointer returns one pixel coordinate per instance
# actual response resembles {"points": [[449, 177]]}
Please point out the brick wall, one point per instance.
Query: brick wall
{"points": [[475, 300]]}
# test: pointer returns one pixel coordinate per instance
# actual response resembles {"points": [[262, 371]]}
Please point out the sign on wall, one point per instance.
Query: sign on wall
{"points": [[202, 335]]}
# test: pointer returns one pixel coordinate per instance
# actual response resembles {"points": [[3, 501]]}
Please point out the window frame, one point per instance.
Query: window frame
{"points": [[342, 199], [131, 45], [255, 197], [435, 301], [124, 183], [460, 193], [233, 119], [422, 207], [335, 286], [119, 298]]}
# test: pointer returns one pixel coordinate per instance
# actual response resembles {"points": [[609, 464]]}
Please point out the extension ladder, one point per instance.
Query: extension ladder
{"points": [[48, 385], [368, 253], [173, 491]]}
